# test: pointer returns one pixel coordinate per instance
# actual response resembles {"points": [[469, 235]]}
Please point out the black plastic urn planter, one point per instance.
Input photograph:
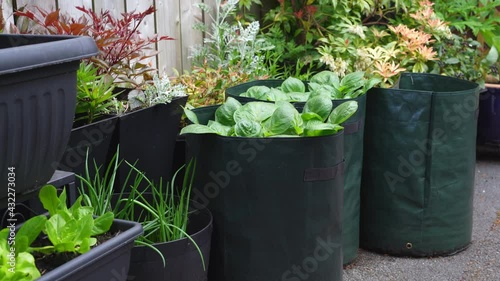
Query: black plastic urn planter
{"points": [[183, 261], [37, 104], [107, 261]]}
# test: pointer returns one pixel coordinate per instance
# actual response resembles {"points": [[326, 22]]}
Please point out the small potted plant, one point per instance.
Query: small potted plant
{"points": [[94, 124], [68, 243], [177, 237], [149, 127]]}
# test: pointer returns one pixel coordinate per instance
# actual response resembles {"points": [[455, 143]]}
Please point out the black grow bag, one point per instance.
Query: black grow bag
{"points": [[37, 104], [276, 204], [107, 261], [419, 165], [353, 154], [148, 136], [183, 261]]}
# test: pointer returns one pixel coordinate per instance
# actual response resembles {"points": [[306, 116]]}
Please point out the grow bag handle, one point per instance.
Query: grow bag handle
{"points": [[353, 127], [323, 174]]}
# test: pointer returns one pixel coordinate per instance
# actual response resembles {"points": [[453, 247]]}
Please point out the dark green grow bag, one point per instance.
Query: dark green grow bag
{"points": [[353, 154], [418, 174], [276, 204]]}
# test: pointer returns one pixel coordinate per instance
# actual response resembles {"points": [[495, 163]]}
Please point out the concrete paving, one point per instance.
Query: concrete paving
{"points": [[480, 262]]}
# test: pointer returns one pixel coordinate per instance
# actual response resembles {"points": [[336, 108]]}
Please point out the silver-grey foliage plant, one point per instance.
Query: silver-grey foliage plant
{"points": [[228, 44]]}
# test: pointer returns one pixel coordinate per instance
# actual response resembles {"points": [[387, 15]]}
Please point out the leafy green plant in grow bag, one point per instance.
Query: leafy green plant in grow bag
{"points": [[324, 83], [280, 119]]}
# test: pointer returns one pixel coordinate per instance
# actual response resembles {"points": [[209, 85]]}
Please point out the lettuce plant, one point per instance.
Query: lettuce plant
{"points": [[324, 83], [68, 230], [279, 119], [25, 268]]}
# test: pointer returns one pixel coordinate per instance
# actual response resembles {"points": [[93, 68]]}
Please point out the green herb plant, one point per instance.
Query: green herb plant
{"points": [[279, 119], [324, 83], [162, 209], [95, 95]]}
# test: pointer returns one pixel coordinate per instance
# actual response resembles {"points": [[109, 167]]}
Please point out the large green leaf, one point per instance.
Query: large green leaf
{"points": [[326, 78], [197, 129], [315, 128], [31, 229], [292, 84], [285, 120], [343, 112], [256, 111], [248, 128], [224, 114], [321, 105], [191, 116], [50, 200], [219, 128], [102, 224]]}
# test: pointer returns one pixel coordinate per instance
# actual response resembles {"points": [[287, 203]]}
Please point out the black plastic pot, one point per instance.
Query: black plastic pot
{"points": [[488, 128], [148, 136], [353, 154], [98, 139], [107, 261], [419, 166], [37, 104], [183, 261], [276, 202]]}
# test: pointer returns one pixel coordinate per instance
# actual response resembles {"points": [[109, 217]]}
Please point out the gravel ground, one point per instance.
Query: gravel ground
{"points": [[481, 261]]}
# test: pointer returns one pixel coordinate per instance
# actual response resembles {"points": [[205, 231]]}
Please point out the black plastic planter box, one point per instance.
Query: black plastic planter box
{"points": [[107, 261], [37, 104], [98, 139], [148, 136]]}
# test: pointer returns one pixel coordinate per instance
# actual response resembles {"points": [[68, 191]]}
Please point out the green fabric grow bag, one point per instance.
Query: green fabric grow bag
{"points": [[353, 154], [419, 164], [276, 204]]}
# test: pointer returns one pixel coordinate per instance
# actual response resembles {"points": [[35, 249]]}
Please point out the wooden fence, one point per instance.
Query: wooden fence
{"points": [[174, 18]]}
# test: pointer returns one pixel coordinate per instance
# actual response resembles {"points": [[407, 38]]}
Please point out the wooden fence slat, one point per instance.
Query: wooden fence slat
{"points": [[69, 6], [168, 23], [7, 12], [147, 27], [190, 15], [48, 5], [115, 7]]}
